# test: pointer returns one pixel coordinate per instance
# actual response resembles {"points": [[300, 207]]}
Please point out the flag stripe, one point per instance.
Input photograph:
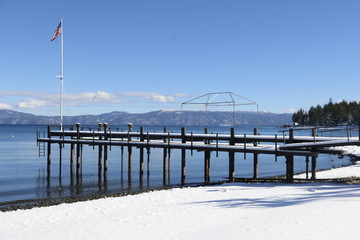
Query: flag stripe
{"points": [[56, 33]]}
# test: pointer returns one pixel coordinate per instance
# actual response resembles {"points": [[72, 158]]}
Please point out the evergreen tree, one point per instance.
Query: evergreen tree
{"points": [[330, 114]]}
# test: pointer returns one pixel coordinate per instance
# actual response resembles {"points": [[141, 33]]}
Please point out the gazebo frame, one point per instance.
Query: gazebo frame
{"points": [[219, 99]]}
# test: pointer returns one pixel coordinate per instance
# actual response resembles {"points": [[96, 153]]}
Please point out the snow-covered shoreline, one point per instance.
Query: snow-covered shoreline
{"points": [[349, 150], [246, 210]]}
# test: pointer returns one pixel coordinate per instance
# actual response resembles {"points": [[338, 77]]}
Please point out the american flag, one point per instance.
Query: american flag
{"points": [[56, 33]]}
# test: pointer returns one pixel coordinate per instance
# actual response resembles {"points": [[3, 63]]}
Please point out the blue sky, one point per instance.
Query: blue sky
{"points": [[146, 55]]}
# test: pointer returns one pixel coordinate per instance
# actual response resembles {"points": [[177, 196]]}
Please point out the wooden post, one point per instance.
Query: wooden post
{"points": [[290, 159], [130, 125], [314, 133], [106, 128], [169, 160], [183, 156], [129, 163], [148, 164], [232, 157], [206, 160], [72, 154], [313, 167], [141, 170], [291, 135], [290, 168], [122, 164], [60, 159], [49, 154], [100, 126], [256, 157], [165, 156], [307, 167], [78, 152]]}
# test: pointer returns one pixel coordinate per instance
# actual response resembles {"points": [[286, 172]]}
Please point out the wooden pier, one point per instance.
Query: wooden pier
{"points": [[104, 138]]}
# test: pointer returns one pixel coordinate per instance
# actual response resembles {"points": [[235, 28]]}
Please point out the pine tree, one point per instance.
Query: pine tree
{"points": [[330, 114]]}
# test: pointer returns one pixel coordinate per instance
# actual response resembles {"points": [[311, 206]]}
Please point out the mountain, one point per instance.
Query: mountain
{"points": [[156, 118]]}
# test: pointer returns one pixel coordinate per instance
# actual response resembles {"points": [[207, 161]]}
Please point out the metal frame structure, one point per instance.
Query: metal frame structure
{"points": [[219, 99]]}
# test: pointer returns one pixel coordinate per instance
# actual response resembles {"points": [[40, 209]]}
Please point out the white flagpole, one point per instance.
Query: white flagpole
{"points": [[61, 74]]}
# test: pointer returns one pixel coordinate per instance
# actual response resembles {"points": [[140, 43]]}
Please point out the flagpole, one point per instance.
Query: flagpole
{"points": [[61, 73]]}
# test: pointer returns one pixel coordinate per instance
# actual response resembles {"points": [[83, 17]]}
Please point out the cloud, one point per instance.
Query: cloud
{"points": [[5, 106], [161, 98], [33, 103], [88, 97], [150, 96], [32, 100], [103, 96]]}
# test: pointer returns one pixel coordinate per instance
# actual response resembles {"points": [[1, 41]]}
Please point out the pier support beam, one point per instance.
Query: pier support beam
{"points": [[313, 168], [49, 154], [78, 160], [122, 165], [100, 152], [232, 157], [129, 154], [148, 165], [307, 167], [106, 128], [207, 156], [60, 159], [165, 159], [290, 168], [78, 153], [183, 156], [256, 167], [291, 135], [141, 162], [256, 155], [72, 155]]}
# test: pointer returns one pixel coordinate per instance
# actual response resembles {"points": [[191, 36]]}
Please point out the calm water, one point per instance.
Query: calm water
{"points": [[23, 174]]}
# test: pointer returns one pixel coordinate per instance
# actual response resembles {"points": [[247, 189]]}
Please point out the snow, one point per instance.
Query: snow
{"points": [[349, 150], [238, 210]]}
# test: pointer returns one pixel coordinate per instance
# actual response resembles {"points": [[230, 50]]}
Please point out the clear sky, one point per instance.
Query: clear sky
{"points": [[146, 55]]}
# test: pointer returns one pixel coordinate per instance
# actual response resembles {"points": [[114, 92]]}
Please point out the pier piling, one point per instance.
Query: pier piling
{"points": [[165, 159], [256, 156], [100, 152], [207, 155], [232, 156], [141, 160], [106, 130], [129, 153], [183, 156]]}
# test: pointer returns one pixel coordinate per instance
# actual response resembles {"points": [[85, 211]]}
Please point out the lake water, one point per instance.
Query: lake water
{"points": [[23, 174]]}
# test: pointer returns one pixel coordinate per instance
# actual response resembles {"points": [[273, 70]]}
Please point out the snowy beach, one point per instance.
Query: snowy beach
{"points": [[250, 211]]}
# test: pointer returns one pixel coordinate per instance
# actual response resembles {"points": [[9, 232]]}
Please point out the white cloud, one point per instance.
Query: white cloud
{"points": [[161, 98], [34, 100], [5, 106], [87, 97], [33, 103], [150, 96], [103, 96]]}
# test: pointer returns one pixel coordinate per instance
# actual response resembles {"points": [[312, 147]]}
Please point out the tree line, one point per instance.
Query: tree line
{"points": [[331, 114]]}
